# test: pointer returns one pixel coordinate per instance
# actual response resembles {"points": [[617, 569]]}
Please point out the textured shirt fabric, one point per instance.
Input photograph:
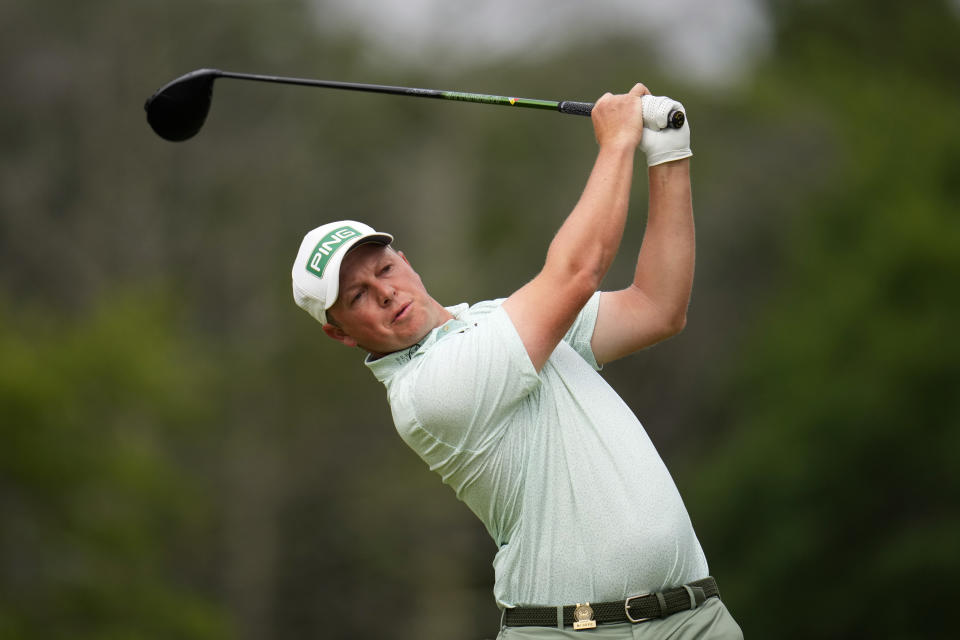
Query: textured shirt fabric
{"points": [[554, 464]]}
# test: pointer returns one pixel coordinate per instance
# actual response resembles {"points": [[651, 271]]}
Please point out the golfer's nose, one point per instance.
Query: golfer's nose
{"points": [[385, 293]]}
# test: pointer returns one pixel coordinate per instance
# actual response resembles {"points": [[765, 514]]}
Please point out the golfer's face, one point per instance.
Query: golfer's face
{"points": [[382, 304]]}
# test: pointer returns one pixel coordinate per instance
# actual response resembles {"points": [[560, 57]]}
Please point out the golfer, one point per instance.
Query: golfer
{"points": [[503, 399]]}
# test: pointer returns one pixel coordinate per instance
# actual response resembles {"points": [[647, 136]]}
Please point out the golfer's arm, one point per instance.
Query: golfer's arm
{"points": [[579, 255], [654, 306]]}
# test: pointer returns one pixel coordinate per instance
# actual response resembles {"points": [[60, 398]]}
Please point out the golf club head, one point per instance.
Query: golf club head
{"points": [[177, 111]]}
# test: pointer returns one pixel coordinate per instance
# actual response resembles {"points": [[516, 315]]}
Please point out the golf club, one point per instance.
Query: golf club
{"points": [[177, 111]]}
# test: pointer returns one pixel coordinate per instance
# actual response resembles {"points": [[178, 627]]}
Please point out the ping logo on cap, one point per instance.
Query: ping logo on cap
{"points": [[328, 246]]}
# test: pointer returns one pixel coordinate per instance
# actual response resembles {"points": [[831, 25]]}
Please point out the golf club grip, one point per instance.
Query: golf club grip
{"points": [[674, 120], [575, 108]]}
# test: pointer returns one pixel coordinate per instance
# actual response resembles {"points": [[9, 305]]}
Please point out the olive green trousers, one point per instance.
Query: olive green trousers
{"points": [[709, 621]]}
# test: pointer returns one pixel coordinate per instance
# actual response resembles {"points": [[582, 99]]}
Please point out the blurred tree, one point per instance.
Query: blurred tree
{"points": [[831, 507], [104, 528]]}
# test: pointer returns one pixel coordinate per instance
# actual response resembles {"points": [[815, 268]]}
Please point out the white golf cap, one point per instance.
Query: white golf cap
{"points": [[316, 271]]}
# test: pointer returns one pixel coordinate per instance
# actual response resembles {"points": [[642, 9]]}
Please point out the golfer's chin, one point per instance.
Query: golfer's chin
{"points": [[400, 343], [407, 329]]}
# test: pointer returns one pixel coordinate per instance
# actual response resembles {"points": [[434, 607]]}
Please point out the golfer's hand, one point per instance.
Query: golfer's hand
{"points": [[666, 145], [618, 119]]}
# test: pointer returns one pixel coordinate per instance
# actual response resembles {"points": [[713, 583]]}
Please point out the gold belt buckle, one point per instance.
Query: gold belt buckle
{"points": [[583, 617], [626, 608]]}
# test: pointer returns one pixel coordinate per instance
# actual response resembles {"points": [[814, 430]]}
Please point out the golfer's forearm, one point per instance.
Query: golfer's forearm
{"points": [[666, 262], [587, 242]]}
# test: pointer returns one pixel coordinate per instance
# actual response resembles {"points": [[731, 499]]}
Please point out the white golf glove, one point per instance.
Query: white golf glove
{"points": [[659, 143]]}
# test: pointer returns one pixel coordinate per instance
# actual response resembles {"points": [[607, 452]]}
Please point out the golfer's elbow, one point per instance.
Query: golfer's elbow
{"points": [[580, 284], [578, 276], [675, 323], [671, 311], [668, 319]]}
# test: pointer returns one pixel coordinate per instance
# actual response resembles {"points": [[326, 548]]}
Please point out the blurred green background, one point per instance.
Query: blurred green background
{"points": [[183, 454]]}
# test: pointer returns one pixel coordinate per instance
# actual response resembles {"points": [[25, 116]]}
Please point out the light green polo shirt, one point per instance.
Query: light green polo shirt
{"points": [[554, 464]]}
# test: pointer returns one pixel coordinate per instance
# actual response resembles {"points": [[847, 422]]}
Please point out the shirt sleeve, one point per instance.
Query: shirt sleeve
{"points": [[580, 334]]}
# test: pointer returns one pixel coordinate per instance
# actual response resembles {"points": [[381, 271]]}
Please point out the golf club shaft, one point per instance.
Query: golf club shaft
{"points": [[177, 111], [565, 106]]}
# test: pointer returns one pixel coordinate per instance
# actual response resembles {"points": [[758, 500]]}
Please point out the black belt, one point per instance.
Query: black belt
{"points": [[638, 608]]}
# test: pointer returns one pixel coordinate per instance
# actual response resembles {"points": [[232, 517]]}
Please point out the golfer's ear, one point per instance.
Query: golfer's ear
{"points": [[337, 334]]}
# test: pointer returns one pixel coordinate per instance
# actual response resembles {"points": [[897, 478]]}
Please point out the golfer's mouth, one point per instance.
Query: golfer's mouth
{"points": [[402, 313]]}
